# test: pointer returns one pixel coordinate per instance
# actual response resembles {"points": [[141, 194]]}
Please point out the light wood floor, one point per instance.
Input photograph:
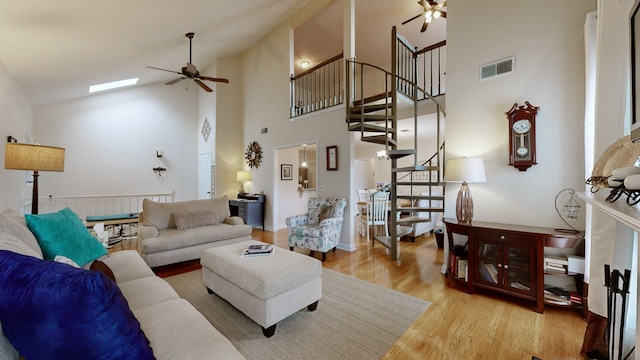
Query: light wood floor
{"points": [[457, 325]]}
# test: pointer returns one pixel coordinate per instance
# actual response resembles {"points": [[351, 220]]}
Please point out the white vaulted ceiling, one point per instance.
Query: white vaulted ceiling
{"points": [[56, 49]]}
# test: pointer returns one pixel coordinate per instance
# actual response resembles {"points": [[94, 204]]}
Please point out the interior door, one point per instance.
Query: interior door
{"points": [[206, 177]]}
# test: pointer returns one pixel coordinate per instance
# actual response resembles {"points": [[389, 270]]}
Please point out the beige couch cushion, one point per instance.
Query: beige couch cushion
{"points": [[127, 265], [170, 326], [13, 222], [147, 291], [171, 239], [159, 214]]}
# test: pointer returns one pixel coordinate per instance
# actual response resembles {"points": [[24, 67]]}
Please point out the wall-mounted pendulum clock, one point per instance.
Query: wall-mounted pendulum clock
{"points": [[522, 135]]}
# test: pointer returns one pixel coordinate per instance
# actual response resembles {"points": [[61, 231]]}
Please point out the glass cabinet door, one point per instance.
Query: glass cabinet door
{"points": [[518, 265], [488, 263]]}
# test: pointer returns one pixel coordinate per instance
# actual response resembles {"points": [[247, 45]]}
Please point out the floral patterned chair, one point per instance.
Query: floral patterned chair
{"points": [[319, 229]]}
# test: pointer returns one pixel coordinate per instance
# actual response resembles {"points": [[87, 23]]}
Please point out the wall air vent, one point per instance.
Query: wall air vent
{"points": [[499, 67]]}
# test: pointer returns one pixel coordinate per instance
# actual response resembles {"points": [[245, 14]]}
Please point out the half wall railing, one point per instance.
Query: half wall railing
{"points": [[96, 205], [318, 88]]}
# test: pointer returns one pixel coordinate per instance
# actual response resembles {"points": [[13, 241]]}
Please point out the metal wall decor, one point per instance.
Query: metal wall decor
{"points": [[253, 155]]}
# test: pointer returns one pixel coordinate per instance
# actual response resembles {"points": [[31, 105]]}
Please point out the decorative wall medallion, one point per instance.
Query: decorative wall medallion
{"points": [[253, 155], [206, 130]]}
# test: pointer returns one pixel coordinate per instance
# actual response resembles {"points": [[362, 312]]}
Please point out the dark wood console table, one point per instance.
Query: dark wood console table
{"points": [[250, 207], [504, 258]]}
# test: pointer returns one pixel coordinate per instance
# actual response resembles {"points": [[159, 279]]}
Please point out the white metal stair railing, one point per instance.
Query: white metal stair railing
{"points": [[97, 205]]}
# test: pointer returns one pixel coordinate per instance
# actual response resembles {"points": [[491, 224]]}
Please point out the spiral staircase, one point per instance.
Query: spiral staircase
{"points": [[372, 110]]}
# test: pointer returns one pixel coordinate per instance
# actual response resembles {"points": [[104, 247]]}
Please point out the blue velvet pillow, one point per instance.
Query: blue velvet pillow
{"points": [[51, 310], [63, 233]]}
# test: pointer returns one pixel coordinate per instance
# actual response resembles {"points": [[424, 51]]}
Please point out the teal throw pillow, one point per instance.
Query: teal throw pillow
{"points": [[63, 233]]}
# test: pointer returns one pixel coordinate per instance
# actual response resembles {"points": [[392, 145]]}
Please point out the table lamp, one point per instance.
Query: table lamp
{"points": [[464, 170], [242, 176], [35, 158]]}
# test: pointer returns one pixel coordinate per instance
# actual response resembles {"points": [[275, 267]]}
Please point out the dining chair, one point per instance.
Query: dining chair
{"points": [[376, 214]]}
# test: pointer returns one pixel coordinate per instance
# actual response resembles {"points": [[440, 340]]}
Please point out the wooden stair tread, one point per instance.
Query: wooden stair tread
{"points": [[368, 108], [413, 220], [421, 209], [415, 168], [366, 127], [419, 183], [367, 117], [396, 154], [379, 139], [372, 98]]}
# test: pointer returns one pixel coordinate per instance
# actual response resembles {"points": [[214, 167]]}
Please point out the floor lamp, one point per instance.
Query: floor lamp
{"points": [[33, 158], [464, 170]]}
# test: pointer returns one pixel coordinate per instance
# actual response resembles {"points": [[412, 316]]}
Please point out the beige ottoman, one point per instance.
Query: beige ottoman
{"points": [[265, 288]]}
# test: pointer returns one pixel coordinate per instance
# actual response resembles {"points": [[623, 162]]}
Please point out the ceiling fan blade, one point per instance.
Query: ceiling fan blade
{"points": [[424, 26], [155, 68], [423, 3], [443, 14], [214, 79], [413, 18], [175, 81], [202, 85]]}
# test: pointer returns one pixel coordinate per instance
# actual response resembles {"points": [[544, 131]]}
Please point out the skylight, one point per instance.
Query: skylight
{"points": [[112, 85]]}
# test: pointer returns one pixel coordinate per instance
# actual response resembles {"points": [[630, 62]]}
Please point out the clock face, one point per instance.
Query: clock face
{"points": [[522, 126]]}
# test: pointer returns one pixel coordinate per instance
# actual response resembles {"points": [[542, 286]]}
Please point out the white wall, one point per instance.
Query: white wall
{"points": [[16, 119], [549, 73], [266, 70], [230, 127], [111, 141]]}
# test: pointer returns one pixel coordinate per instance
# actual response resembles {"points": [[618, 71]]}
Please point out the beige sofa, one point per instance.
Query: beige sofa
{"points": [[174, 328], [178, 231]]}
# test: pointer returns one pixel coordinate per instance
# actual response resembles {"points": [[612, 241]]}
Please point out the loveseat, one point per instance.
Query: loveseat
{"points": [[55, 310], [172, 232]]}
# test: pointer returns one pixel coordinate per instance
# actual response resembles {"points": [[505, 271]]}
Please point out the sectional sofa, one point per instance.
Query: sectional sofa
{"points": [[110, 307]]}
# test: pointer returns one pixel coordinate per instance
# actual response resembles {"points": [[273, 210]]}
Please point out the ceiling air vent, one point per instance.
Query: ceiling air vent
{"points": [[499, 67]]}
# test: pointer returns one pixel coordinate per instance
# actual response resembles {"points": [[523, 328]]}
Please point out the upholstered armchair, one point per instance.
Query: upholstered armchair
{"points": [[319, 229]]}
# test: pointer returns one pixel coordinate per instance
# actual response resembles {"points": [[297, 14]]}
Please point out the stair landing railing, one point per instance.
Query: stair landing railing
{"points": [[318, 88]]}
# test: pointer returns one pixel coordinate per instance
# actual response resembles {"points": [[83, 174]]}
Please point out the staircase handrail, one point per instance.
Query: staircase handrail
{"points": [[431, 47], [427, 161], [309, 71], [404, 79]]}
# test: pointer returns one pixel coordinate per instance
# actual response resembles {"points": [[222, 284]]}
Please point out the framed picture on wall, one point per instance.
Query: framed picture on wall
{"points": [[286, 172], [332, 157]]}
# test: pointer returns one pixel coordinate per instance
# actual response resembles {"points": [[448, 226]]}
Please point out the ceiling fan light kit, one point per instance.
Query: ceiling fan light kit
{"points": [[191, 72], [431, 10]]}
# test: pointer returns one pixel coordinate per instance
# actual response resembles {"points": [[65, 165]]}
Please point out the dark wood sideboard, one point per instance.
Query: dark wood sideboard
{"points": [[503, 258]]}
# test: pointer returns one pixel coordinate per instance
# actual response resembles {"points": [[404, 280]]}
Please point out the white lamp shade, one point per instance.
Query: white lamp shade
{"points": [[243, 176], [465, 169]]}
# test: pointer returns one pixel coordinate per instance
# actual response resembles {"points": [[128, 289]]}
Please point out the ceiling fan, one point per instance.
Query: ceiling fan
{"points": [[190, 72], [432, 10]]}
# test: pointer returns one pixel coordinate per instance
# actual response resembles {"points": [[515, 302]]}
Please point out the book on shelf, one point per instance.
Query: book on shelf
{"points": [[462, 269], [557, 295], [258, 250], [519, 285], [489, 272]]}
